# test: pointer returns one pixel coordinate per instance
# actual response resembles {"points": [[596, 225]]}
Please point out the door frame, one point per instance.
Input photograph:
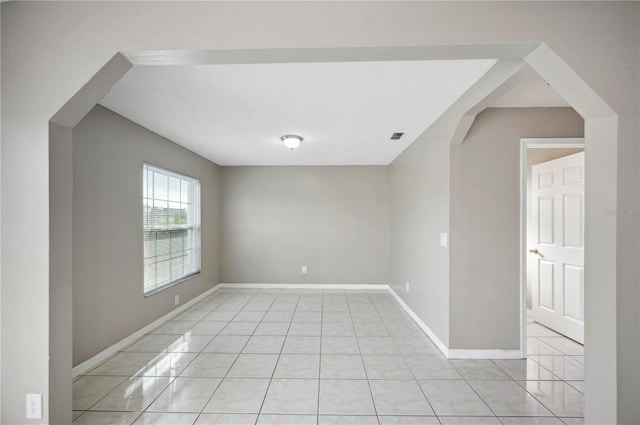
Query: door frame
{"points": [[526, 143]]}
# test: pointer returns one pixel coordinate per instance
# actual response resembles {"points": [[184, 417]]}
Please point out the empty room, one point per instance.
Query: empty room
{"points": [[297, 213]]}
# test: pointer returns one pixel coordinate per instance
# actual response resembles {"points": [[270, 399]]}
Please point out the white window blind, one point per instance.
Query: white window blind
{"points": [[171, 213]]}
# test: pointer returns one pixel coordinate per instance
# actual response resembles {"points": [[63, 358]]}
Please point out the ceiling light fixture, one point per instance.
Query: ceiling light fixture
{"points": [[291, 141]]}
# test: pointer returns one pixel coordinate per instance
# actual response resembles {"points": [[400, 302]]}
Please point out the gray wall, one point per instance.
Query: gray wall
{"points": [[538, 156], [334, 220], [108, 300], [485, 223], [419, 212]]}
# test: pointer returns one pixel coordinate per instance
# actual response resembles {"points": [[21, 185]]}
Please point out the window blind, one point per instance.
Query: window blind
{"points": [[171, 227]]}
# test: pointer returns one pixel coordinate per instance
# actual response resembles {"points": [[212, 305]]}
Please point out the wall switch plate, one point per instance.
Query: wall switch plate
{"points": [[304, 269], [443, 239], [406, 286], [177, 300], [34, 406]]}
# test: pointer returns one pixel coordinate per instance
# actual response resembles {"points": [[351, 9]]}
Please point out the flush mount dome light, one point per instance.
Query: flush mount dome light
{"points": [[291, 141]]}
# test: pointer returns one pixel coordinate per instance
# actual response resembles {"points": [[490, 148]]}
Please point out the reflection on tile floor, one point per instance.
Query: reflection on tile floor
{"points": [[282, 356]]}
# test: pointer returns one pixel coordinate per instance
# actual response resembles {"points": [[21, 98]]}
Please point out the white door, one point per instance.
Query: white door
{"points": [[558, 245]]}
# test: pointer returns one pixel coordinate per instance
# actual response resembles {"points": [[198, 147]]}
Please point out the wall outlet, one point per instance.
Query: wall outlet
{"points": [[443, 239], [177, 300], [304, 269], [406, 286], [34, 406]]}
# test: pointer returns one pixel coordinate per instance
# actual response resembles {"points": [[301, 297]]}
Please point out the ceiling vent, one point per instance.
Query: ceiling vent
{"points": [[396, 136]]}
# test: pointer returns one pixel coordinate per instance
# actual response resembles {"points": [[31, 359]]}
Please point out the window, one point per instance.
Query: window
{"points": [[171, 220]]}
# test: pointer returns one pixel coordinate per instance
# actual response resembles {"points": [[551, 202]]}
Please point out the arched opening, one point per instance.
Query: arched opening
{"points": [[600, 137]]}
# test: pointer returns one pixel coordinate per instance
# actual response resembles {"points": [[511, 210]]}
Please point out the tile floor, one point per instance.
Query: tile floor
{"points": [[322, 357]]}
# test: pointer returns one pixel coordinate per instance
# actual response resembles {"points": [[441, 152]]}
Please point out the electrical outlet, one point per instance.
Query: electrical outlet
{"points": [[177, 300], [406, 285], [34, 406], [304, 269]]}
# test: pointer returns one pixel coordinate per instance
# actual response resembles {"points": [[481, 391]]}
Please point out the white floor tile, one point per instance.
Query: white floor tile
{"points": [[431, 367], [478, 369], [399, 397], [347, 420], [319, 356], [238, 396], [342, 367], [559, 397], [453, 398], [340, 345], [298, 366], [226, 344], [106, 418], [507, 398], [185, 395], [88, 390], [226, 419], [386, 367], [345, 397], [287, 420], [253, 366], [134, 394], [292, 396], [469, 420], [150, 418], [263, 344], [209, 365], [301, 345]]}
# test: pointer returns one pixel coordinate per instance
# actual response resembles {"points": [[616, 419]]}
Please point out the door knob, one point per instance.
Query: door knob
{"points": [[533, 251]]}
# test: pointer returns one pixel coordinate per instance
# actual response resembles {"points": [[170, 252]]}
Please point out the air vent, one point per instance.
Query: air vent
{"points": [[396, 136]]}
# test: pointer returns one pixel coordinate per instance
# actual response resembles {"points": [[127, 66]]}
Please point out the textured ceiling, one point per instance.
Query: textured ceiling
{"points": [[346, 112]]}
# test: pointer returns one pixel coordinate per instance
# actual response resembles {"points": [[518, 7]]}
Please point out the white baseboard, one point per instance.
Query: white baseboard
{"points": [[381, 286], [108, 352], [452, 353], [441, 346]]}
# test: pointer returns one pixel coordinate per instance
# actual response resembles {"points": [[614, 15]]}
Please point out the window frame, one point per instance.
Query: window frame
{"points": [[194, 226]]}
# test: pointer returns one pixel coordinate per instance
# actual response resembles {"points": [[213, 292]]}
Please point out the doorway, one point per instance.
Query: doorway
{"points": [[552, 206]]}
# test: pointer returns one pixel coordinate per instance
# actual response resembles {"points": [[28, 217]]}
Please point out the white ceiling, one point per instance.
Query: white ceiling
{"points": [[345, 111]]}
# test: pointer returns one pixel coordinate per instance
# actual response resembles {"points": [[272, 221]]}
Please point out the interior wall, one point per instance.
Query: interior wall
{"points": [[108, 299], [538, 156], [334, 220], [51, 49], [418, 213], [485, 223]]}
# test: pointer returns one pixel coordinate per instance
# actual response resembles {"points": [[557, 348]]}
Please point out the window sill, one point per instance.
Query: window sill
{"points": [[173, 283]]}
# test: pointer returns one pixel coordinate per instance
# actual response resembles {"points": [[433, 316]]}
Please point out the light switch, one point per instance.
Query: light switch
{"points": [[443, 239]]}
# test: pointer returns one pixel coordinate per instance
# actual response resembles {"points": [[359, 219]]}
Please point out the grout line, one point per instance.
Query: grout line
{"points": [[320, 358], [264, 399], [366, 374], [234, 361], [405, 361]]}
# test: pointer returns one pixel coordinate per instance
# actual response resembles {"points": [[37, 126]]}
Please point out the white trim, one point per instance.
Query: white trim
{"points": [[452, 353], [567, 142], [304, 286], [526, 143], [484, 354], [109, 351], [441, 346]]}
